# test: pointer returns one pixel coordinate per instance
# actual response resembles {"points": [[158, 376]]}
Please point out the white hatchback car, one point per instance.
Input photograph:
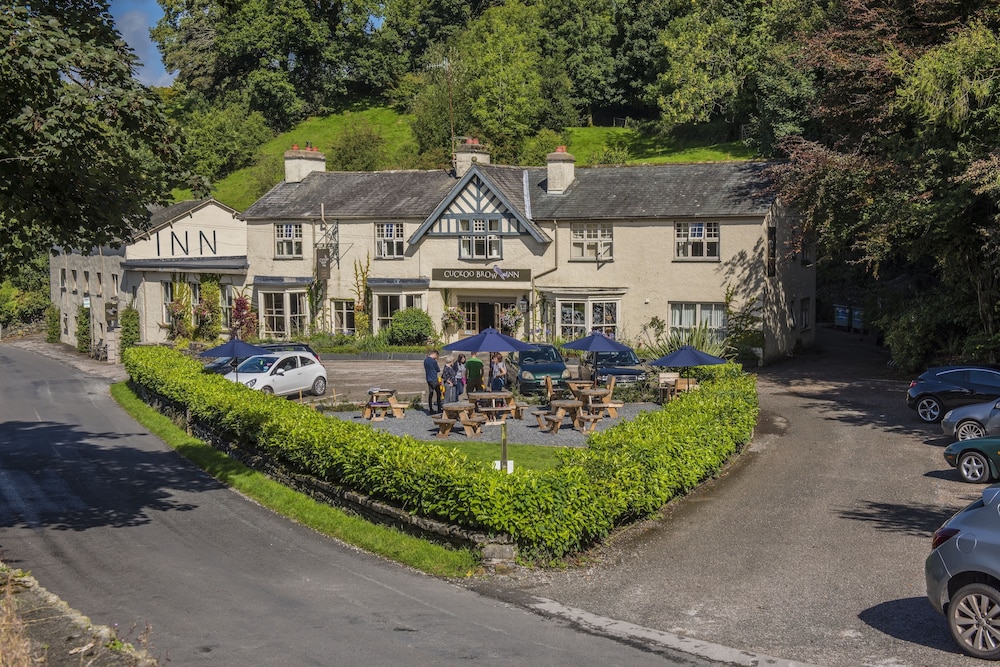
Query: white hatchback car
{"points": [[281, 373]]}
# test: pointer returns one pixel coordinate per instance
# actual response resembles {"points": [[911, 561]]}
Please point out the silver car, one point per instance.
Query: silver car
{"points": [[972, 421], [963, 575]]}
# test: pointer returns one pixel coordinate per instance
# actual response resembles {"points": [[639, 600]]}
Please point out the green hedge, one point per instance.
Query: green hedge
{"points": [[629, 470]]}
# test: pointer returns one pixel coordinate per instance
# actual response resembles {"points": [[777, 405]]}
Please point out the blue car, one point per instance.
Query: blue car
{"points": [[529, 369]]}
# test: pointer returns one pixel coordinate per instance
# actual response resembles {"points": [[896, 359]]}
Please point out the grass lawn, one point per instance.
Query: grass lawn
{"points": [[532, 457], [390, 543]]}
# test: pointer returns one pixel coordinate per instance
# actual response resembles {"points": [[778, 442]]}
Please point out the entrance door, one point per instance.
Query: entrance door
{"points": [[487, 315]]}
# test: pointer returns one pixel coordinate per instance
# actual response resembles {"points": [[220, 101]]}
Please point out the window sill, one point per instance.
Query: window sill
{"points": [[279, 258], [591, 261], [390, 259], [698, 259]]}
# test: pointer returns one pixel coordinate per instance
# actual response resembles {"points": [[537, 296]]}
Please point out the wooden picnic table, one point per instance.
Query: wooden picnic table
{"points": [[459, 412], [495, 405], [561, 408], [380, 403]]}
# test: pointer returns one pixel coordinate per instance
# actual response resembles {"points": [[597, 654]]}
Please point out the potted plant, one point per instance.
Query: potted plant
{"points": [[453, 317]]}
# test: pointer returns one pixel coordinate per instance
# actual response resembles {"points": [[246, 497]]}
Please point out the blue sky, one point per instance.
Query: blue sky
{"points": [[134, 18]]}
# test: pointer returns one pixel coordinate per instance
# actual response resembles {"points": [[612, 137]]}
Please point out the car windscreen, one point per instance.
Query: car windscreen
{"points": [[260, 364], [623, 358], [543, 355]]}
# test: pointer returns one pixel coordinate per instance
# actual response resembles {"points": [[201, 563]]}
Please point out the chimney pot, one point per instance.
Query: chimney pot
{"points": [[295, 147], [560, 149]]}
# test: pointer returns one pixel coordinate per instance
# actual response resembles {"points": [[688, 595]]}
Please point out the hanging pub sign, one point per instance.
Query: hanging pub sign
{"points": [[323, 263], [490, 274]]}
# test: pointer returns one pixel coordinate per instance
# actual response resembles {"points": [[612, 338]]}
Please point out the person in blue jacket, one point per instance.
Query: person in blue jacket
{"points": [[432, 373]]}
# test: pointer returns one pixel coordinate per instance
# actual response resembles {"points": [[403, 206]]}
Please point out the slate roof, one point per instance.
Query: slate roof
{"points": [[378, 194], [162, 216], [717, 189], [721, 189]]}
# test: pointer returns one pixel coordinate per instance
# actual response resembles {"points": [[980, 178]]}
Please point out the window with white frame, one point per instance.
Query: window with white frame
{"points": [[479, 239], [100, 284], [114, 284], [390, 304], [226, 305], [684, 317], [697, 240], [288, 240], [74, 285], [343, 316], [285, 313], [168, 298], [576, 319], [389, 240], [592, 242], [86, 282]]}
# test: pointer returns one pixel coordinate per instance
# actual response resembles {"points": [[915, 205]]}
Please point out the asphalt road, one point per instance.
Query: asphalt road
{"points": [[811, 546], [108, 518]]}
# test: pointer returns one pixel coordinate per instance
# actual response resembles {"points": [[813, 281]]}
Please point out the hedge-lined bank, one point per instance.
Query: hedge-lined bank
{"points": [[628, 471]]}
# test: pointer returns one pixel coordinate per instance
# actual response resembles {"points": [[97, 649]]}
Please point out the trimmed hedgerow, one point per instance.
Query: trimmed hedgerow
{"points": [[628, 471]]}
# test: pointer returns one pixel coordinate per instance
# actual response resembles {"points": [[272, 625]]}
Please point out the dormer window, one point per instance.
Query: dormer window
{"points": [[480, 239], [697, 240], [288, 240], [389, 240]]}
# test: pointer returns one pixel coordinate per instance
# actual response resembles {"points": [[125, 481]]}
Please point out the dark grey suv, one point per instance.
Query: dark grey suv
{"points": [[963, 575], [937, 390]]}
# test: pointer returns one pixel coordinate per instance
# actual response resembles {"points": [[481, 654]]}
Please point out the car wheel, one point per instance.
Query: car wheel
{"points": [[974, 620], [969, 430], [973, 467], [929, 409], [319, 386], [267, 390]]}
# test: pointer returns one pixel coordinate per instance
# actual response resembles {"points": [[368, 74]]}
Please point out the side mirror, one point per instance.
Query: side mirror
{"points": [[280, 371]]}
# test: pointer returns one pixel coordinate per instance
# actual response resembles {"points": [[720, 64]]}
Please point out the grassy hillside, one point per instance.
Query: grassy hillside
{"points": [[243, 187]]}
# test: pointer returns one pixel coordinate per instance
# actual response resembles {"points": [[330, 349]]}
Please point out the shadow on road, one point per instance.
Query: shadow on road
{"points": [[907, 519], [912, 620], [60, 477]]}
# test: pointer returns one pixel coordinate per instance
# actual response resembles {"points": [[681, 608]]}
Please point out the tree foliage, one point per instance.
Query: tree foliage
{"points": [[85, 147]]}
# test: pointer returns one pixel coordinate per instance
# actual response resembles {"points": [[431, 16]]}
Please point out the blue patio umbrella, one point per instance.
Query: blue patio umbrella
{"points": [[686, 356], [488, 340], [596, 342]]}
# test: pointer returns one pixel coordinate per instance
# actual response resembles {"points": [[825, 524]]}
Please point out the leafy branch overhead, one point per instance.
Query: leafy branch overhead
{"points": [[85, 146]]}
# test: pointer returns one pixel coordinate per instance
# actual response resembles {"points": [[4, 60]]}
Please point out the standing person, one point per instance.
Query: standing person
{"points": [[499, 373], [474, 373], [450, 381], [432, 373], [460, 373]]}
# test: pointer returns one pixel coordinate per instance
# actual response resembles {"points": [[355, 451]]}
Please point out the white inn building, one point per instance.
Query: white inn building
{"points": [[573, 249]]}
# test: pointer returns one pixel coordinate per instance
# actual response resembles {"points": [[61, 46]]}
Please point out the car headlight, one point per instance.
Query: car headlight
{"points": [[566, 374], [251, 383], [527, 375], [603, 377]]}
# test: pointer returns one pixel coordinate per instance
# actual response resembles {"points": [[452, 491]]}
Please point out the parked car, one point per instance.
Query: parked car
{"points": [[281, 373], [962, 574], [226, 364], [530, 367], [625, 366], [977, 460], [938, 390], [972, 421]]}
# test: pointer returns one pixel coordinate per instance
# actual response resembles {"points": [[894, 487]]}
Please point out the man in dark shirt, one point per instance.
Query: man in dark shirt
{"points": [[432, 373]]}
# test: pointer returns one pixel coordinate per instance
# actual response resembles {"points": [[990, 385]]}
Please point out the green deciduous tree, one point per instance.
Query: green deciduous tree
{"points": [[85, 147]]}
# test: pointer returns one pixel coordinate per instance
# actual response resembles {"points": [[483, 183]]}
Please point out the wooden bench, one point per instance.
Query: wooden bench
{"points": [[473, 426], [553, 423], [496, 413], [519, 409], [540, 416], [444, 426], [588, 422], [612, 408], [377, 410]]}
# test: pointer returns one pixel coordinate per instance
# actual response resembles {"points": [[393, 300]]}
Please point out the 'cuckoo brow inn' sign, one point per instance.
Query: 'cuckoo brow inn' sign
{"points": [[494, 273]]}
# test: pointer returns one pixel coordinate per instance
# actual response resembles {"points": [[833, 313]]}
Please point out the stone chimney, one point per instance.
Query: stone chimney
{"points": [[561, 171], [301, 163], [468, 152]]}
